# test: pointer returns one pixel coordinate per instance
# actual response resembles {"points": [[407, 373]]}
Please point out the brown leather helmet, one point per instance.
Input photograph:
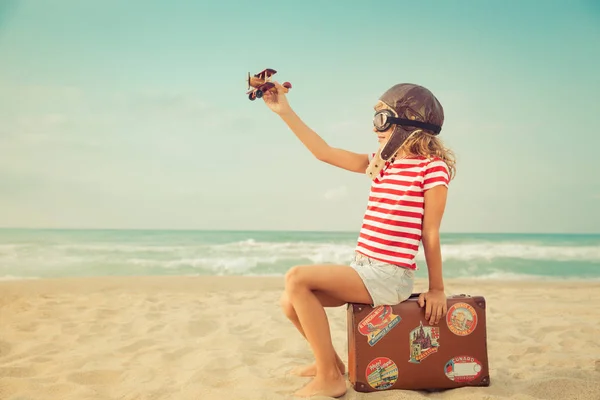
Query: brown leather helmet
{"points": [[415, 107]]}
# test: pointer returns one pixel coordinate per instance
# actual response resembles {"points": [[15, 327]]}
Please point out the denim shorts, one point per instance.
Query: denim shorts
{"points": [[387, 284]]}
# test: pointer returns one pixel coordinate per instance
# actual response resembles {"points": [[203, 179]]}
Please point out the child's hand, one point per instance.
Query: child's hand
{"points": [[277, 102], [436, 307]]}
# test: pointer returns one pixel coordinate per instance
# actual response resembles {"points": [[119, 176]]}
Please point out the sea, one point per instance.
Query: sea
{"points": [[35, 253]]}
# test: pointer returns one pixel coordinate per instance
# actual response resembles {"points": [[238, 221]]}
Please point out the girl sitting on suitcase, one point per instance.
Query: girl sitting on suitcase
{"points": [[410, 174]]}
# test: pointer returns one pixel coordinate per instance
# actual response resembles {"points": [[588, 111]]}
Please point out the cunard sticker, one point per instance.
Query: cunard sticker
{"points": [[423, 342], [382, 373], [461, 319], [378, 323], [462, 369]]}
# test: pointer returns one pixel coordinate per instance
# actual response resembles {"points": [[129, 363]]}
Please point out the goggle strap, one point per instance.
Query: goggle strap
{"points": [[418, 124]]}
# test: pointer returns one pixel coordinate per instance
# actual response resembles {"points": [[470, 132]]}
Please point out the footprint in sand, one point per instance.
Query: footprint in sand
{"points": [[242, 328], [96, 377], [200, 328], [177, 354], [31, 327], [140, 344], [155, 328], [46, 349], [536, 349], [153, 315], [105, 313], [70, 326], [270, 346], [5, 349], [514, 357], [569, 344], [18, 372], [60, 390], [41, 359], [248, 358]]}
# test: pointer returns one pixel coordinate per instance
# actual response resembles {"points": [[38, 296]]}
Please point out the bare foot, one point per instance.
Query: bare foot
{"points": [[320, 386], [311, 370]]}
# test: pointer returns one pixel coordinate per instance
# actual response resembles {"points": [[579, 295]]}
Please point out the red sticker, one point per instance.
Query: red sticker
{"points": [[462, 369], [461, 319], [382, 373], [378, 323]]}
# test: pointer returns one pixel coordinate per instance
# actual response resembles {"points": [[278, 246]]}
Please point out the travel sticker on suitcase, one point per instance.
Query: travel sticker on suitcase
{"points": [[423, 342], [461, 319], [382, 373], [378, 323], [462, 369]]}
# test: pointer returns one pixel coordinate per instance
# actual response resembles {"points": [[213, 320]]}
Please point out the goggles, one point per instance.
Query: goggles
{"points": [[385, 118]]}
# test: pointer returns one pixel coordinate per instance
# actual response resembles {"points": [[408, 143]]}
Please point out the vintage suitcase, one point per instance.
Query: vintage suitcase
{"points": [[394, 347]]}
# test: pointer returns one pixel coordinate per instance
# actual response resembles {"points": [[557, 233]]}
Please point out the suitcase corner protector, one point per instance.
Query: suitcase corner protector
{"points": [[360, 387], [485, 381]]}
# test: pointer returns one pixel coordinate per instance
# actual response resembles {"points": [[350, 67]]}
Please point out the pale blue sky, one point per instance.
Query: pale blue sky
{"points": [[133, 114]]}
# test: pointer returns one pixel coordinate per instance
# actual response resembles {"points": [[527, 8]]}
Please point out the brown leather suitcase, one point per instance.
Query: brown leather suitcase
{"points": [[394, 347]]}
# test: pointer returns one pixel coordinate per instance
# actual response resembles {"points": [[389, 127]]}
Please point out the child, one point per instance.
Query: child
{"points": [[410, 172]]}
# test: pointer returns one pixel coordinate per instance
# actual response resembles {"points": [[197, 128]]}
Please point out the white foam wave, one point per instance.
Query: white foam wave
{"points": [[230, 264], [489, 251], [243, 263], [255, 256], [119, 248], [511, 276], [317, 252], [329, 252], [313, 251]]}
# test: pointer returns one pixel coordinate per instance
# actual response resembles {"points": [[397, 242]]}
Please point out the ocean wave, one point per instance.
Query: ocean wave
{"points": [[324, 252], [120, 248], [314, 251], [252, 256], [490, 251], [511, 276]]}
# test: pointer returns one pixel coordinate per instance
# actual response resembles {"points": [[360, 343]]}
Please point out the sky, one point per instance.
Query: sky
{"points": [[134, 115]]}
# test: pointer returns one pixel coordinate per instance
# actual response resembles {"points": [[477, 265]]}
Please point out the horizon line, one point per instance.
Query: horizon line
{"points": [[284, 231]]}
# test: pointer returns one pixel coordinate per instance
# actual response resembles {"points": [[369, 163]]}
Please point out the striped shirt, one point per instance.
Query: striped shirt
{"points": [[391, 229]]}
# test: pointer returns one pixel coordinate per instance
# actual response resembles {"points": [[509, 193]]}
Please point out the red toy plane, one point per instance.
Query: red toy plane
{"points": [[261, 84]]}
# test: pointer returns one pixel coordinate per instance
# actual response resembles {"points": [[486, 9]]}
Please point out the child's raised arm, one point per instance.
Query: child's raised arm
{"points": [[314, 143]]}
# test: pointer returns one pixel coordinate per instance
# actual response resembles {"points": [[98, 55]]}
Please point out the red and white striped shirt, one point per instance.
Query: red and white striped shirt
{"points": [[392, 225]]}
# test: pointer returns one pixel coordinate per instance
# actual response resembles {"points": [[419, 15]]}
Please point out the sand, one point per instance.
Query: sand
{"points": [[226, 338]]}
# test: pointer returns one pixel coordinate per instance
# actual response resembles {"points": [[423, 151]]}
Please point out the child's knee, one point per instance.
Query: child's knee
{"points": [[286, 306], [294, 278]]}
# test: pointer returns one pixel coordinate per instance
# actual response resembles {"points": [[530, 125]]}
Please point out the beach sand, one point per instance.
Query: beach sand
{"points": [[226, 338]]}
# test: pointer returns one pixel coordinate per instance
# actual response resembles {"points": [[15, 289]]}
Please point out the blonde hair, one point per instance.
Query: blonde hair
{"points": [[427, 145]]}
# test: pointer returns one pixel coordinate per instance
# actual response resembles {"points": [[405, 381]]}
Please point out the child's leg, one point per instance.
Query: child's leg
{"points": [[290, 313], [340, 282]]}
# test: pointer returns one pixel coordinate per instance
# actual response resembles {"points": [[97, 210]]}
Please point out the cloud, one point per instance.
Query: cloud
{"points": [[163, 102], [43, 114], [67, 136], [336, 193]]}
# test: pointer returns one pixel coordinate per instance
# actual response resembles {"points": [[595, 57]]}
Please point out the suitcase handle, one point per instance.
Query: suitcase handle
{"points": [[454, 296]]}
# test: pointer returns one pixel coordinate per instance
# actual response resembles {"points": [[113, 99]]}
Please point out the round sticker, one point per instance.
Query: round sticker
{"points": [[461, 319], [382, 373], [462, 369]]}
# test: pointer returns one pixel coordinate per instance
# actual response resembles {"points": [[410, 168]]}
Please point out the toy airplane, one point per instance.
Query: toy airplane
{"points": [[261, 84]]}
